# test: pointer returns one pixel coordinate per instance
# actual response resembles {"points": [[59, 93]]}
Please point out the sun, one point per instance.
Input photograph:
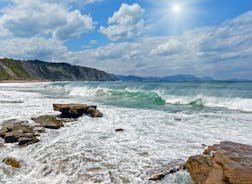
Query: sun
{"points": [[176, 8]]}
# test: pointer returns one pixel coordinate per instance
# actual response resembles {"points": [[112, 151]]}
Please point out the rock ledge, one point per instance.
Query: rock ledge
{"points": [[224, 163]]}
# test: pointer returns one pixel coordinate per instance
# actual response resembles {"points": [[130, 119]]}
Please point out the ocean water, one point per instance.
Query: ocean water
{"points": [[163, 123]]}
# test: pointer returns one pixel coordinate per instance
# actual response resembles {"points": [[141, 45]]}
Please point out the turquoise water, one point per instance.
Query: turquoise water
{"points": [[172, 96], [163, 122]]}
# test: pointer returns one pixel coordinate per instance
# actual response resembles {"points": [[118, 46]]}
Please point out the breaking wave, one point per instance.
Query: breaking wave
{"points": [[156, 97], [234, 103]]}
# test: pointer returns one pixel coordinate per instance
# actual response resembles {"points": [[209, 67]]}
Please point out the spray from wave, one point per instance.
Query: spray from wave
{"points": [[156, 96], [206, 101]]}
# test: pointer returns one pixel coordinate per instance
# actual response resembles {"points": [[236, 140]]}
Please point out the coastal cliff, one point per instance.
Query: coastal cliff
{"points": [[39, 70]]}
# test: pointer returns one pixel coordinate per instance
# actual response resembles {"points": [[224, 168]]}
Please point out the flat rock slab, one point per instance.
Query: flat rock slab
{"points": [[49, 121], [77, 110], [224, 163]]}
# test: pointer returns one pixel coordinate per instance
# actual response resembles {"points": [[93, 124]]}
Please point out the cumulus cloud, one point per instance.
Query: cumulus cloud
{"points": [[125, 23], [222, 52], [32, 48], [40, 18]]}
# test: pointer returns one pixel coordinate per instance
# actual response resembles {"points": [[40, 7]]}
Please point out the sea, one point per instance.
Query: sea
{"points": [[163, 122]]}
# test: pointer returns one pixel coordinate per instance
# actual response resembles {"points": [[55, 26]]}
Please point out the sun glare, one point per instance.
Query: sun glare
{"points": [[176, 8]]}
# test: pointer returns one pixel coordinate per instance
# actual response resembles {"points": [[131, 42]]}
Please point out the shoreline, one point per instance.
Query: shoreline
{"points": [[22, 81]]}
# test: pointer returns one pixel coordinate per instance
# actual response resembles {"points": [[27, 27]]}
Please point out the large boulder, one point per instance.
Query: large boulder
{"points": [[77, 110], [224, 163], [49, 121]]}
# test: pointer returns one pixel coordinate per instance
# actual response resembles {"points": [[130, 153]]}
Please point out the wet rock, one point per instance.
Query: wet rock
{"points": [[12, 162], [11, 137], [27, 140], [39, 129], [11, 122], [14, 126], [93, 112], [119, 130], [3, 131], [204, 145], [227, 162], [77, 110], [49, 121], [67, 120], [157, 177], [178, 119], [166, 170], [13, 130], [2, 143]]}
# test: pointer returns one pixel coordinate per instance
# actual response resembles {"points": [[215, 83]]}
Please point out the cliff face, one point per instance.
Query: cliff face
{"points": [[39, 70]]}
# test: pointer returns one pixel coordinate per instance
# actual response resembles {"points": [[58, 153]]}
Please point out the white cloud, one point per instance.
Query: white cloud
{"points": [[40, 18], [78, 2], [125, 23], [222, 52], [32, 48]]}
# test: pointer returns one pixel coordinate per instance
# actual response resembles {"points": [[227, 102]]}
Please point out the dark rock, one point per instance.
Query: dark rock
{"points": [[27, 140], [157, 177], [13, 122], [96, 114], [67, 120], [12, 162], [227, 162], [3, 131], [48, 121], [178, 119], [14, 126], [11, 137], [77, 110], [119, 130], [39, 129], [13, 130], [166, 170]]}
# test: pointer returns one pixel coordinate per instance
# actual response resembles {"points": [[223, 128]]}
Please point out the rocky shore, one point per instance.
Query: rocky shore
{"points": [[224, 163], [21, 132]]}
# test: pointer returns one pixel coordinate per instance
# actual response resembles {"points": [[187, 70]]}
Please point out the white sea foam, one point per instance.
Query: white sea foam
{"points": [[90, 151], [234, 103]]}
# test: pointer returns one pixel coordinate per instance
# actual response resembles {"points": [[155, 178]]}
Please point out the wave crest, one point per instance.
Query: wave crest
{"points": [[155, 97]]}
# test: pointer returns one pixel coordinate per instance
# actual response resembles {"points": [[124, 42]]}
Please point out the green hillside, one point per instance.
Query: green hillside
{"points": [[38, 70]]}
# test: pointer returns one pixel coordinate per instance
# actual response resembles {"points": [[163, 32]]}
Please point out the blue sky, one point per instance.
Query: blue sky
{"points": [[144, 37]]}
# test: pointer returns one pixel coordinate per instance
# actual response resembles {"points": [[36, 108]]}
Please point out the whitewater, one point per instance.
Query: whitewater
{"points": [[163, 123]]}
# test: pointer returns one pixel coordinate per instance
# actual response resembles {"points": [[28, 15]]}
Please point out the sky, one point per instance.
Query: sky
{"points": [[133, 37]]}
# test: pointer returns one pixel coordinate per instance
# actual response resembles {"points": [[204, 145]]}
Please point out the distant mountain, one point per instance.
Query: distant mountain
{"points": [[175, 78], [39, 70]]}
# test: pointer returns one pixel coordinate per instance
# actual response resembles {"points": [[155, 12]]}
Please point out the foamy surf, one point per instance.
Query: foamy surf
{"points": [[91, 151], [155, 96]]}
